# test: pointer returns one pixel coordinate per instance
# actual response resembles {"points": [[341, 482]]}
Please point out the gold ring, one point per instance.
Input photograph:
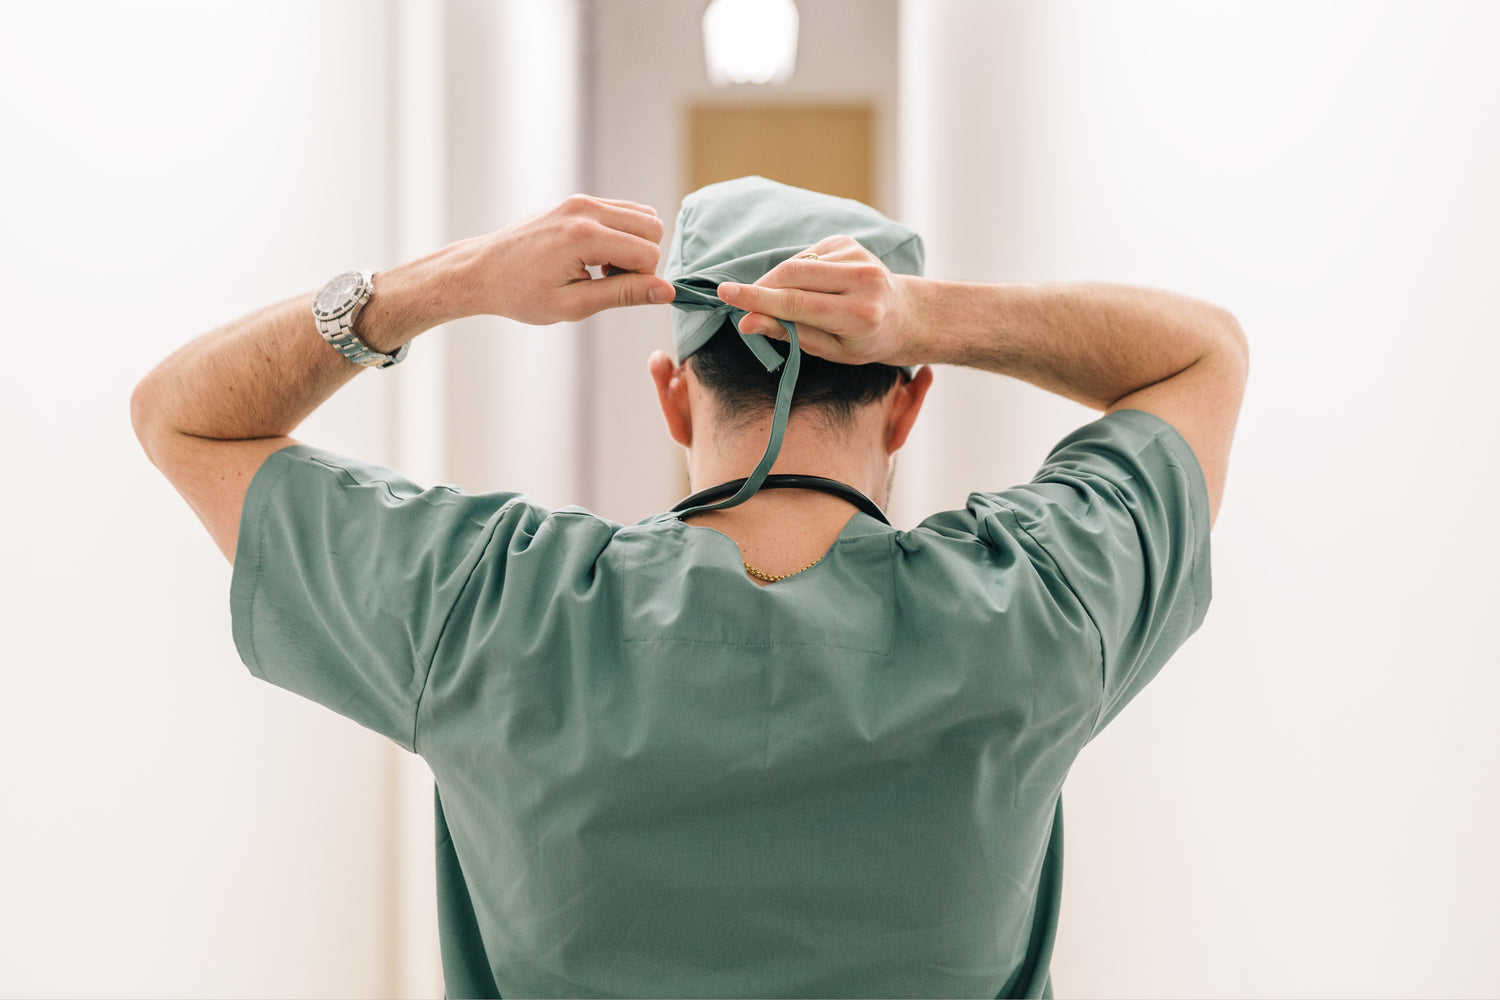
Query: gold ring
{"points": [[806, 256]]}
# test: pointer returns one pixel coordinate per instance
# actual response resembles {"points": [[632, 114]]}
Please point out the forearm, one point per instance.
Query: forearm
{"points": [[211, 414], [1106, 346], [261, 375], [1093, 343]]}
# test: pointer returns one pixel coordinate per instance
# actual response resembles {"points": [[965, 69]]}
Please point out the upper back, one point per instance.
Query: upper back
{"points": [[674, 762], [658, 777]]}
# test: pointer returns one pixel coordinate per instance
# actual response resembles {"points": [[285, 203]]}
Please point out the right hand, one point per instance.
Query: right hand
{"points": [[536, 270], [848, 306]]}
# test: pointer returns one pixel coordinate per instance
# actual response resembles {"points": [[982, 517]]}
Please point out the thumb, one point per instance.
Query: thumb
{"points": [[766, 326], [625, 288]]}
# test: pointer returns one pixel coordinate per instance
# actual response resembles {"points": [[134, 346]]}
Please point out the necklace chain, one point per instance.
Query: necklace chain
{"points": [[768, 578]]}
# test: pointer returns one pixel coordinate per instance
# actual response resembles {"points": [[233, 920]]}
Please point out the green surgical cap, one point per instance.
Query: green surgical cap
{"points": [[738, 231]]}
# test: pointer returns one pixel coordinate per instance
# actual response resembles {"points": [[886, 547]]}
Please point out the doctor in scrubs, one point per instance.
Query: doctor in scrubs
{"points": [[764, 743]]}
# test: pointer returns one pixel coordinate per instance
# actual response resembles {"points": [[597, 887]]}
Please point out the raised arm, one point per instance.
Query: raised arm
{"points": [[211, 413], [1110, 347]]}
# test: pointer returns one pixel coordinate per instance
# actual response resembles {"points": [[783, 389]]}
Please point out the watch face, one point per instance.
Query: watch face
{"points": [[338, 294]]}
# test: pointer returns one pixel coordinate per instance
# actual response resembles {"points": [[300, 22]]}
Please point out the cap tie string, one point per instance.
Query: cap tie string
{"points": [[779, 415]]}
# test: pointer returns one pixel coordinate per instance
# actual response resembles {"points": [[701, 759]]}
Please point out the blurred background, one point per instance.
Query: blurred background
{"points": [[1303, 804]]}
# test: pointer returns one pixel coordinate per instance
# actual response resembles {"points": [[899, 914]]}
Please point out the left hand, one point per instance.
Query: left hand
{"points": [[848, 306], [535, 271]]}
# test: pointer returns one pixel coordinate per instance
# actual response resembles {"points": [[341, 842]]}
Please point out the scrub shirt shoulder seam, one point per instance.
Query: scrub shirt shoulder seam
{"points": [[742, 644], [258, 516], [372, 481], [1016, 519], [1170, 440], [1195, 544], [1162, 436], [426, 674], [442, 634]]}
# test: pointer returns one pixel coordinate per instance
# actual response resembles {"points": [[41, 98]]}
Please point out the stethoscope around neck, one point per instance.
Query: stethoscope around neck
{"points": [[737, 491], [786, 481]]}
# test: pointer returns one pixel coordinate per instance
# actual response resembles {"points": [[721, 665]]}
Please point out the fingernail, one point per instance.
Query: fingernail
{"points": [[728, 289], [658, 294]]}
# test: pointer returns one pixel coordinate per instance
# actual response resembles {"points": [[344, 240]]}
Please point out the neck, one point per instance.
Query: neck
{"points": [[782, 531], [808, 448]]}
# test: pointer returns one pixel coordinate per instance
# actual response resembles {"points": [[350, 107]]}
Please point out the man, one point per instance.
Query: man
{"points": [[763, 744]]}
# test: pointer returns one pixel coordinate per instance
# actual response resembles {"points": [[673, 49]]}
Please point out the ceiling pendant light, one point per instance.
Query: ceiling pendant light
{"points": [[750, 41]]}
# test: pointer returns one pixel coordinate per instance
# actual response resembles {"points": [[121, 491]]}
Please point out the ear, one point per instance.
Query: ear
{"points": [[906, 403], [672, 395]]}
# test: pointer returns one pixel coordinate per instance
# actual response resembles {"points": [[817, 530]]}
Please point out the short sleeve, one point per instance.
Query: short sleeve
{"points": [[344, 577], [1120, 509]]}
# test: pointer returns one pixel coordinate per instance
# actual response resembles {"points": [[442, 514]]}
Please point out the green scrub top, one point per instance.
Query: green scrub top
{"points": [[657, 778]]}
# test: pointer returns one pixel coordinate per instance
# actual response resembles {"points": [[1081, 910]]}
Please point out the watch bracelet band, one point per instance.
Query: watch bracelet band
{"points": [[340, 335]]}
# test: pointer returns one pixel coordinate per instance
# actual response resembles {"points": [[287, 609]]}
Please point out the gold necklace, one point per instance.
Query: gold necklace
{"points": [[768, 578]]}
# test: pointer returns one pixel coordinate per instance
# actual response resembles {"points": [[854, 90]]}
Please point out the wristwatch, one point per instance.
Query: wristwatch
{"points": [[334, 311]]}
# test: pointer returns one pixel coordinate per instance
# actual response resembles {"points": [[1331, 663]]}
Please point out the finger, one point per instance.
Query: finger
{"points": [[830, 249], [588, 297], [611, 247], [814, 275], [798, 305], [626, 219], [634, 205], [839, 247], [768, 326], [811, 339], [823, 267]]}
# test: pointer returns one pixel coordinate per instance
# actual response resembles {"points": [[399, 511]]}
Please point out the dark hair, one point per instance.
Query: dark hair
{"points": [[744, 390]]}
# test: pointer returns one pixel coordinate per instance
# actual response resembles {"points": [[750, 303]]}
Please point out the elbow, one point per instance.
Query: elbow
{"points": [[143, 415], [1232, 335]]}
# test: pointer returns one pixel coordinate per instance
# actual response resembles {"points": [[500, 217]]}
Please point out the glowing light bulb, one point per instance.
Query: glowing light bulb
{"points": [[750, 41]]}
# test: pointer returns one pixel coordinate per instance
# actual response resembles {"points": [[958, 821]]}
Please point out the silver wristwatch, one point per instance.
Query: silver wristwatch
{"points": [[334, 311]]}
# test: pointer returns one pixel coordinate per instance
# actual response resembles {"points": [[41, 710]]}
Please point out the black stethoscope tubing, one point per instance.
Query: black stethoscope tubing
{"points": [[788, 481]]}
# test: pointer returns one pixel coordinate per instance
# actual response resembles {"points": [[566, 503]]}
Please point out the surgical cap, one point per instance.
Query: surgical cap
{"points": [[738, 231]]}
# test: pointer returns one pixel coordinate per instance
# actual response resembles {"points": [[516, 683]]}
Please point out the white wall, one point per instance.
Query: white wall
{"points": [[172, 827], [514, 148], [1304, 803]]}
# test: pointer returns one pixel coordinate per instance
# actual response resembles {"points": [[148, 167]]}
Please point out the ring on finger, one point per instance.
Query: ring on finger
{"points": [[806, 256]]}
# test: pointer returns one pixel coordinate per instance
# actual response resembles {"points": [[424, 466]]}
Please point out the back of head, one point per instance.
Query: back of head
{"points": [[738, 231], [744, 392]]}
